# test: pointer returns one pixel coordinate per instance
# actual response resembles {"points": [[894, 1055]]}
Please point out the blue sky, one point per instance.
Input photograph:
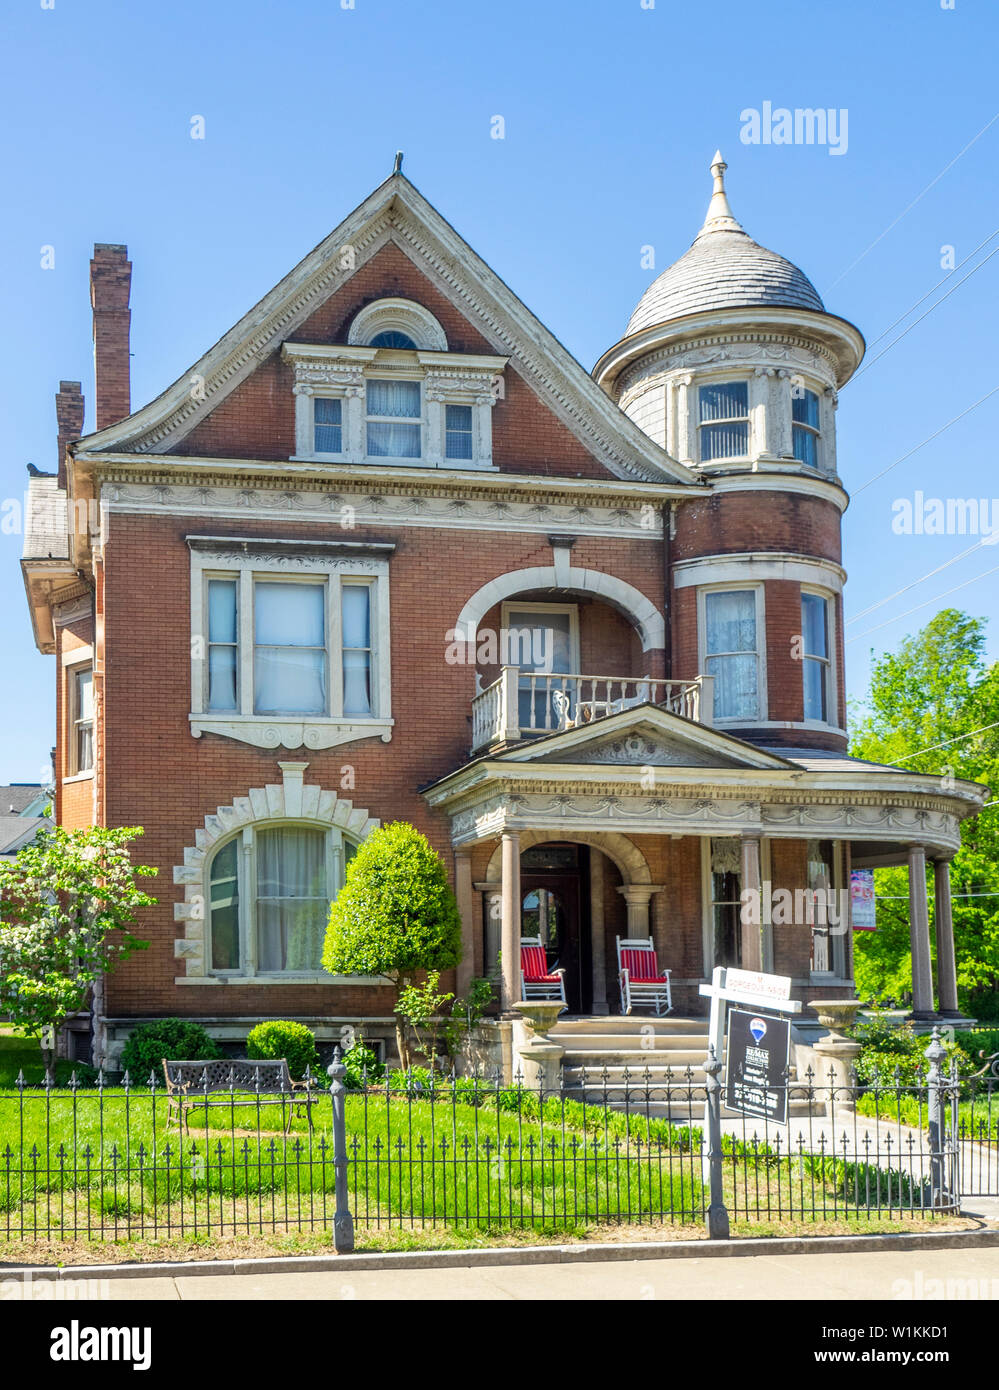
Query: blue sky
{"points": [[612, 112]]}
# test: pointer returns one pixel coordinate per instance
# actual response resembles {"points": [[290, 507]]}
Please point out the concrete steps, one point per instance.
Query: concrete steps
{"points": [[610, 1059]]}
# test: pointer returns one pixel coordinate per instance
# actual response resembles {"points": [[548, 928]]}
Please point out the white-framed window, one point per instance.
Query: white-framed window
{"points": [[292, 638], [458, 434], [80, 690], [393, 419], [723, 420], [828, 955], [805, 426], [816, 658], [732, 649], [269, 891], [328, 425], [543, 640], [383, 402]]}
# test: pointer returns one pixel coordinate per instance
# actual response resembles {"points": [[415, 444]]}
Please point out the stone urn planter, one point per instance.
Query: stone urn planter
{"points": [[541, 1014], [836, 1013]]}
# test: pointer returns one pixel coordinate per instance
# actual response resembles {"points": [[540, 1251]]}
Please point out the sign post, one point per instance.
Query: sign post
{"points": [[752, 987]]}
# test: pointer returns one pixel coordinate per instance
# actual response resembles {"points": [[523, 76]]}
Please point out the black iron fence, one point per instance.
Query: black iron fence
{"points": [[423, 1151], [975, 1125]]}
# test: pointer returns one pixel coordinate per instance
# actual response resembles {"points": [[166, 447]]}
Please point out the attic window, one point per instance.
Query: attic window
{"points": [[392, 338]]}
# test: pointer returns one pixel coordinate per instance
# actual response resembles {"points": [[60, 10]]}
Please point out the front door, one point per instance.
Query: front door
{"points": [[552, 907]]}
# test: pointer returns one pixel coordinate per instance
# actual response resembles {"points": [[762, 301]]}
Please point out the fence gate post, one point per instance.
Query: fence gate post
{"points": [[936, 1086], [718, 1228], [343, 1222]]}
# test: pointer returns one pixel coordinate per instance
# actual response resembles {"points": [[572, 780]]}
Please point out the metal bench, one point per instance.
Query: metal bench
{"points": [[190, 1083]]}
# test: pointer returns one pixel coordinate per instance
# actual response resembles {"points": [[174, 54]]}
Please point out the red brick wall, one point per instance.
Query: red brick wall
{"points": [[160, 777], [257, 420], [738, 522]]}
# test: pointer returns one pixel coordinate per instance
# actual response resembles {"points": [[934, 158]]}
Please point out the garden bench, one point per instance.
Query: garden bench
{"points": [[190, 1083]]}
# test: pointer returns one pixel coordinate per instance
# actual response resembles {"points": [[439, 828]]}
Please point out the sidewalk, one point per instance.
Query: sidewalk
{"points": [[895, 1274]]}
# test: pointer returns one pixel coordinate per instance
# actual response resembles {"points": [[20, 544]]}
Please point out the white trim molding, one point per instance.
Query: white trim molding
{"points": [[400, 316], [290, 801], [757, 567], [327, 562], [641, 611]]}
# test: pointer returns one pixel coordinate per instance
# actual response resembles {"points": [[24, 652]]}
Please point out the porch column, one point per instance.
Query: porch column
{"points": [[637, 896], [752, 923], [465, 897], [919, 934], [510, 933], [944, 930], [492, 901], [597, 939]]}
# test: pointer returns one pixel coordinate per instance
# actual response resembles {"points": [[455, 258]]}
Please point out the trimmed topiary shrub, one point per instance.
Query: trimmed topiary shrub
{"points": [[283, 1038], [171, 1038]]}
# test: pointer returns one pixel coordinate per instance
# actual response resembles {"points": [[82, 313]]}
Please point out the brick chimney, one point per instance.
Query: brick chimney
{"points": [[69, 421], [110, 282]]}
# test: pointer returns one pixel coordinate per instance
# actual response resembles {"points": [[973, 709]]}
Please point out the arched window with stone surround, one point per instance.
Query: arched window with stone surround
{"points": [[269, 893]]}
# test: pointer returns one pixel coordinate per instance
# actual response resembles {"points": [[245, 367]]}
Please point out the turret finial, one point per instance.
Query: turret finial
{"points": [[719, 217]]}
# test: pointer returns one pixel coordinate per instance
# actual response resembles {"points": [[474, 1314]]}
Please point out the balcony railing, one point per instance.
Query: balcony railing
{"points": [[527, 704]]}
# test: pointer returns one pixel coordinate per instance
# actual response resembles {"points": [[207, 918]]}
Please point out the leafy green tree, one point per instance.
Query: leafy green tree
{"points": [[394, 915], [924, 702], [67, 903]]}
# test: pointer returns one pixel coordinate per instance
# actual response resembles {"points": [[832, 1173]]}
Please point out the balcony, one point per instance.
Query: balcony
{"points": [[530, 704]]}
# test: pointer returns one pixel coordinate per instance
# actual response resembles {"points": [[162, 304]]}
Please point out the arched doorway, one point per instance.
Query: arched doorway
{"points": [[555, 907]]}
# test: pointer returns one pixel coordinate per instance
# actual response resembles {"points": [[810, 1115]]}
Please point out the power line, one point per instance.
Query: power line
{"points": [[899, 616], [933, 288], [929, 575], [918, 198], [959, 738], [953, 289], [929, 439]]}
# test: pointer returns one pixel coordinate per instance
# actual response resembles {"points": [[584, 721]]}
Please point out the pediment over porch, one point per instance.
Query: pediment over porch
{"points": [[644, 736]]}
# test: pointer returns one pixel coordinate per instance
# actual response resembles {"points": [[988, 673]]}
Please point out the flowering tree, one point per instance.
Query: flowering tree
{"points": [[67, 902]]}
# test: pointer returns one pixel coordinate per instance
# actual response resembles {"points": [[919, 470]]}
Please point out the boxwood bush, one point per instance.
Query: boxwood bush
{"points": [[283, 1038], [175, 1039]]}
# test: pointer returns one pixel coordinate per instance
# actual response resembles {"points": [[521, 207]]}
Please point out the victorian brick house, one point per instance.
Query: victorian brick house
{"points": [[388, 552]]}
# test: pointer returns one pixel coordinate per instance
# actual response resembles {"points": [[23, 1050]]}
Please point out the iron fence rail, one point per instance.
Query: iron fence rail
{"points": [[98, 1162]]}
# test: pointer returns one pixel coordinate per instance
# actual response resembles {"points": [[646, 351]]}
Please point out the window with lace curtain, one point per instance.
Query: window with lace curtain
{"points": [[731, 650], [269, 894]]}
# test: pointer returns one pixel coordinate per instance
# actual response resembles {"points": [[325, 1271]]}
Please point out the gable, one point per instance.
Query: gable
{"points": [[645, 736], [257, 419], [594, 437]]}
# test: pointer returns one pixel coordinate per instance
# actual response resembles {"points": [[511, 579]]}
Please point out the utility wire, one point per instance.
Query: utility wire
{"points": [[899, 616], [905, 588], [902, 317], [935, 435], [918, 198]]}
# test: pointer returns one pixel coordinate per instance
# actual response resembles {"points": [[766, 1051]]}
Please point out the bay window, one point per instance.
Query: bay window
{"points": [[81, 706], [805, 427], [816, 665], [731, 629], [723, 420]]}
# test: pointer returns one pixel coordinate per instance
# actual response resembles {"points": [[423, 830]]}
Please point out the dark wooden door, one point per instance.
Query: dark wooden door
{"points": [[550, 908]]}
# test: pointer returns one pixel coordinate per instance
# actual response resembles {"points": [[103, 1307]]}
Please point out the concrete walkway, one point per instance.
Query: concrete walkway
{"points": [[895, 1274]]}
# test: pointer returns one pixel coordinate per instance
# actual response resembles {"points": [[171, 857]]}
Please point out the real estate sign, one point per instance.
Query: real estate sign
{"points": [[759, 1050]]}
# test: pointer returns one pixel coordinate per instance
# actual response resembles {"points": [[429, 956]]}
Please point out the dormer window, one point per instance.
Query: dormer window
{"points": [[393, 419], [805, 427], [724, 420]]}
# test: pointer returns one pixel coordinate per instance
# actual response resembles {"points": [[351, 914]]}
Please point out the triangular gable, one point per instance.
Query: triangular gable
{"points": [[644, 736], [396, 212]]}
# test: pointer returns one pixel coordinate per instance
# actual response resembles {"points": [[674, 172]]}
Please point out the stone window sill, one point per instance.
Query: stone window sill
{"points": [[264, 732]]}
